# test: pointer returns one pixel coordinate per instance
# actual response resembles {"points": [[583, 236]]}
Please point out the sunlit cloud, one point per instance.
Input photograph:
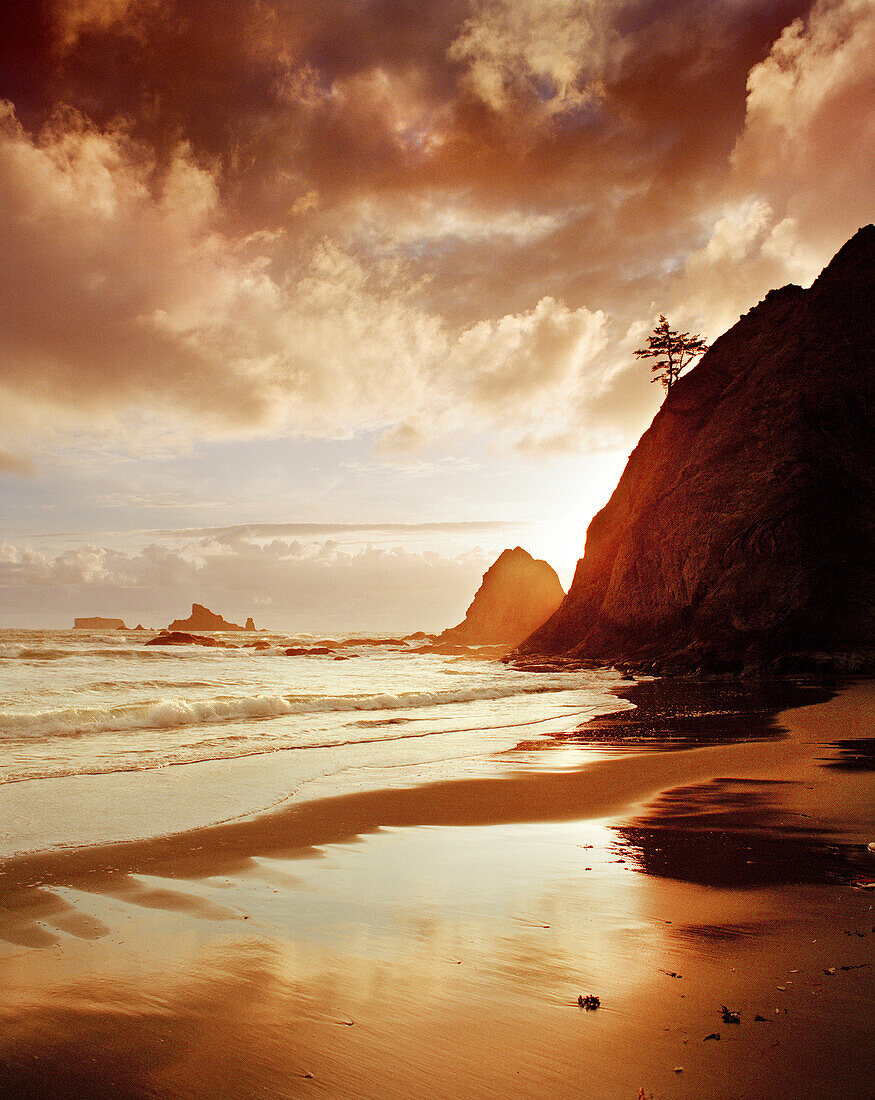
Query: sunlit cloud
{"points": [[431, 233]]}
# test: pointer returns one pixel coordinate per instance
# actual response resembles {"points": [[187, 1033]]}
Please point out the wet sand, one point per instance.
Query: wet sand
{"points": [[433, 941]]}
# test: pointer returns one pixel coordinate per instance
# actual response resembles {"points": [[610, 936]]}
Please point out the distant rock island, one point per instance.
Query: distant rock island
{"points": [[740, 535], [201, 618], [97, 623], [517, 594]]}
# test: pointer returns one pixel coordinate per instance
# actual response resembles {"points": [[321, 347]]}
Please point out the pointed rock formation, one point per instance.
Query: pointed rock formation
{"points": [[741, 532], [517, 594], [250, 624], [201, 618]]}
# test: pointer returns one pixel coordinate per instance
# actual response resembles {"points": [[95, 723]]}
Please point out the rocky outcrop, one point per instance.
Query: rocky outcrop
{"points": [[250, 624], [517, 594], [97, 623], [740, 534], [201, 618], [181, 637]]}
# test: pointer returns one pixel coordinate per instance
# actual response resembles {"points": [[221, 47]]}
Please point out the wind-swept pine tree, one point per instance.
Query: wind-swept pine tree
{"points": [[674, 351]]}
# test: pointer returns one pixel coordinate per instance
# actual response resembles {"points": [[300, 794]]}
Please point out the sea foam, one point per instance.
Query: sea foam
{"points": [[168, 713]]}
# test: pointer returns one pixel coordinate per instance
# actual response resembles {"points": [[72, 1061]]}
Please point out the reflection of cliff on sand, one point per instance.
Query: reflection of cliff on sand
{"points": [[604, 788]]}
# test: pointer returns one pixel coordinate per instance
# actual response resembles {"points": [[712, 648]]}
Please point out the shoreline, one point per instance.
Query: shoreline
{"points": [[607, 787], [467, 916]]}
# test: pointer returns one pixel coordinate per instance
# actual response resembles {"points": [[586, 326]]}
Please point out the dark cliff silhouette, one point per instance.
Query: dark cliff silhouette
{"points": [[740, 534], [201, 618], [517, 594]]}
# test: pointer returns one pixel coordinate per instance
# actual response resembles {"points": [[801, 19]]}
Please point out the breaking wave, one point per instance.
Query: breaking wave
{"points": [[173, 713]]}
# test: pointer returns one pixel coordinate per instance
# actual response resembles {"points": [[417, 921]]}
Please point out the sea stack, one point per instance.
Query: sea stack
{"points": [[517, 594], [740, 534], [250, 624], [201, 618], [97, 623]]}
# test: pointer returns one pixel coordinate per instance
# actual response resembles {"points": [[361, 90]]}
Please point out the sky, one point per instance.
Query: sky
{"points": [[310, 307]]}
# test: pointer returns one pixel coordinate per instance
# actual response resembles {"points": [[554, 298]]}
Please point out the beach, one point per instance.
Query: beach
{"points": [[700, 846], [436, 513]]}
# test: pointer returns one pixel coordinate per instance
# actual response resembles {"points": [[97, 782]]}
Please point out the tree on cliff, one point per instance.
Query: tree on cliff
{"points": [[674, 351]]}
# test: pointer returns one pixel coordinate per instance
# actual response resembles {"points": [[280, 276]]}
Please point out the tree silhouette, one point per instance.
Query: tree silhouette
{"points": [[673, 350]]}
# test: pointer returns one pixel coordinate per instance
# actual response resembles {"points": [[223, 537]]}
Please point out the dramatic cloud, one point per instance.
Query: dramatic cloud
{"points": [[809, 136], [552, 51], [421, 221]]}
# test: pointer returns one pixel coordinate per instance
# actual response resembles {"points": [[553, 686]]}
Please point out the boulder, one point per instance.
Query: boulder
{"points": [[517, 594], [181, 637], [741, 529]]}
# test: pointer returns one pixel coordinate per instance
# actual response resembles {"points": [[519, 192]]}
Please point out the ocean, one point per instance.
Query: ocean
{"points": [[103, 738]]}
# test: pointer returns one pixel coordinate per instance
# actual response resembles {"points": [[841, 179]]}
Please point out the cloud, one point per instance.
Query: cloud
{"points": [[286, 584], [535, 360], [73, 18], [552, 49], [250, 531], [15, 464], [809, 133], [118, 287], [153, 306], [406, 219]]}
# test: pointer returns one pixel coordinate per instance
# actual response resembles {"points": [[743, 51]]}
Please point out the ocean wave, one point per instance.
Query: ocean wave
{"points": [[229, 748], [159, 653], [23, 653], [174, 713]]}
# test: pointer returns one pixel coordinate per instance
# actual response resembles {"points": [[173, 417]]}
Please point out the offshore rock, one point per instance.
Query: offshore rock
{"points": [[97, 623], [740, 536], [517, 594], [201, 618]]}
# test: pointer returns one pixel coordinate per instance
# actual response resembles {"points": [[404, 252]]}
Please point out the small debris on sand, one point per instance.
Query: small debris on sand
{"points": [[713, 1035], [730, 1017], [589, 1002]]}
